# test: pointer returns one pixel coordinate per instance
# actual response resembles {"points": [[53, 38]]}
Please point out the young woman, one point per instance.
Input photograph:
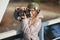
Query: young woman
{"points": [[31, 25]]}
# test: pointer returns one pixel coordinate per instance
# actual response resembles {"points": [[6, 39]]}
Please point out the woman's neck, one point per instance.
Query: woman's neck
{"points": [[32, 21]]}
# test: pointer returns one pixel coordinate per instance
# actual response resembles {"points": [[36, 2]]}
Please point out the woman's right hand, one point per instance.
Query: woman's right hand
{"points": [[24, 17]]}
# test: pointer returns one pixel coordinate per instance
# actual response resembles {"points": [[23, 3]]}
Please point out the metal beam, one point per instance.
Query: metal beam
{"points": [[15, 32]]}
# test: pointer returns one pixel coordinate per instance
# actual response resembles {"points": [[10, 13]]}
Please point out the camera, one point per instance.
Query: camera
{"points": [[19, 12], [27, 12]]}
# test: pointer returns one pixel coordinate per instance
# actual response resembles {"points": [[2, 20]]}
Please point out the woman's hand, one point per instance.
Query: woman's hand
{"points": [[23, 8], [24, 17]]}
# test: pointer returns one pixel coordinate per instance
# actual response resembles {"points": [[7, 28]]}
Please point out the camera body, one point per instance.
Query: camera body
{"points": [[21, 12]]}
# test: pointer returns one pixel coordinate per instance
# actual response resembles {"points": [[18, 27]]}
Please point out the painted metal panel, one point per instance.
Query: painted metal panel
{"points": [[3, 6]]}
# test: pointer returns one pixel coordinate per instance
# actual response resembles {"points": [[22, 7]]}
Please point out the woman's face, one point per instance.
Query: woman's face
{"points": [[33, 13]]}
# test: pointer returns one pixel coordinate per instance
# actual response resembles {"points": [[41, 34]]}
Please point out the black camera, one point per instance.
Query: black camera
{"points": [[27, 12], [18, 13]]}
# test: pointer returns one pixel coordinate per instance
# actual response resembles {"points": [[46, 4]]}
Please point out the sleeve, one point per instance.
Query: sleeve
{"points": [[25, 25], [36, 27], [38, 23]]}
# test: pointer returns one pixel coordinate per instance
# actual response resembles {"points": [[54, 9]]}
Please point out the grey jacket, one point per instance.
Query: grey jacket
{"points": [[31, 32]]}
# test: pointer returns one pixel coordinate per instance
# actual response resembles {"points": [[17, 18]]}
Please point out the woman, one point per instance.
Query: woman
{"points": [[31, 25]]}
